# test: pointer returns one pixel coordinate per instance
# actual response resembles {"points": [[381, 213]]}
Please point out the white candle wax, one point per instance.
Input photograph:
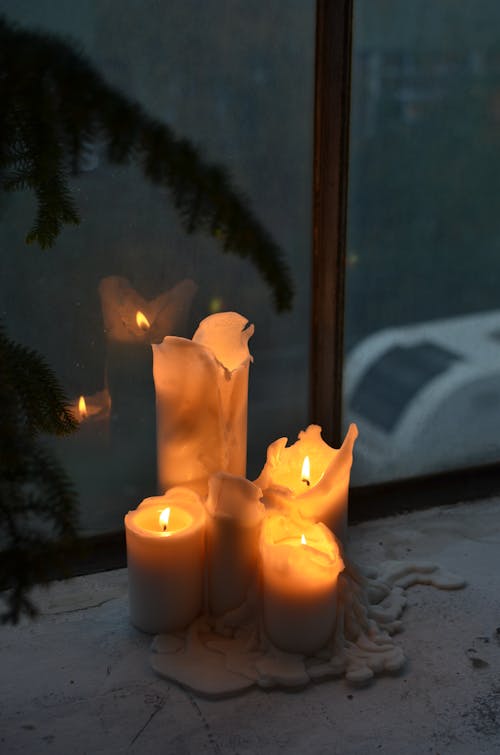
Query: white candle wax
{"points": [[201, 402], [320, 495], [165, 559], [233, 530], [300, 567]]}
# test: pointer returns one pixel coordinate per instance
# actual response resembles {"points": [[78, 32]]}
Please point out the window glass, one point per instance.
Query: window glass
{"points": [[237, 80], [422, 370]]}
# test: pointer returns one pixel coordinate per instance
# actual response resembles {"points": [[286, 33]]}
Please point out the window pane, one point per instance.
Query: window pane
{"points": [[423, 263], [236, 79]]}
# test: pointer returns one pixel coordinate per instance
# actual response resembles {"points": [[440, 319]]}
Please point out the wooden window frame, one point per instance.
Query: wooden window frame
{"points": [[330, 183]]}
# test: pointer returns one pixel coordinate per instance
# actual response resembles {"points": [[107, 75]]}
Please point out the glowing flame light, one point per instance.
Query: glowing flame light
{"points": [[306, 471], [142, 321], [164, 517], [82, 407], [303, 540]]}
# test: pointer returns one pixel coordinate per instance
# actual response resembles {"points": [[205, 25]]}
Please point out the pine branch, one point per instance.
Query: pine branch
{"points": [[40, 400], [54, 104], [37, 501]]}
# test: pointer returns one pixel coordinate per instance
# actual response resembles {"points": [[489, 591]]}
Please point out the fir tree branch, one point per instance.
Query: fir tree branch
{"points": [[40, 399], [54, 103], [37, 501]]}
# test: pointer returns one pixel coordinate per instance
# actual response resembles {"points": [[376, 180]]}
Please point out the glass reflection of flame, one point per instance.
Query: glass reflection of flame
{"points": [[82, 407], [142, 321]]}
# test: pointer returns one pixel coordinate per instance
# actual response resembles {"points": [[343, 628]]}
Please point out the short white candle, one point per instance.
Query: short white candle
{"points": [[165, 558], [300, 567]]}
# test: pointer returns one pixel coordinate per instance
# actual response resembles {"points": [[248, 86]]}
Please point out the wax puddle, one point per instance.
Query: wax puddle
{"points": [[371, 603]]}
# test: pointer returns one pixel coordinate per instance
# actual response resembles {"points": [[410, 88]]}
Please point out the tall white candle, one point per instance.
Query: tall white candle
{"points": [[201, 402], [233, 530], [300, 567], [317, 490], [166, 558]]}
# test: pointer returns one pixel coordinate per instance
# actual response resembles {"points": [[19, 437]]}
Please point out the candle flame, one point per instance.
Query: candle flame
{"points": [[142, 321], [164, 517], [82, 407], [303, 540], [306, 471]]}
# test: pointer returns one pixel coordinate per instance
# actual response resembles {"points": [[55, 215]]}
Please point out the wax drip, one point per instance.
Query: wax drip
{"points": [[235, 654]]}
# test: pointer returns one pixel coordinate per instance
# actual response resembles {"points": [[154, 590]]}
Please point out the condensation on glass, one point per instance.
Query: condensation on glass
{"points": [[237, 79], [422, 366]]}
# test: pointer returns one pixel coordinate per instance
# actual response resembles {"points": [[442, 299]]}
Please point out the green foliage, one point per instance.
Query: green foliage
{"points": [[37, 502], [54, 104]]}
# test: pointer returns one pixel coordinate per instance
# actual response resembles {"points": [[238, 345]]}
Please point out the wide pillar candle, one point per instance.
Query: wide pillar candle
{"points": [[300, 568], [166, 558], [235, 514], [316, 490], [201, 402]]}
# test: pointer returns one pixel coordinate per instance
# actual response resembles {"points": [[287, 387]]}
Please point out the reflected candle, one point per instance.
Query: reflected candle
{"points": [[300, 567], [93, 412], [165, 558]]}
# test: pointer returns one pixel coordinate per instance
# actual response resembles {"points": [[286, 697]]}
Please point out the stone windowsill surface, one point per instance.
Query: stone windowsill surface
{"points": [[78, 679]]}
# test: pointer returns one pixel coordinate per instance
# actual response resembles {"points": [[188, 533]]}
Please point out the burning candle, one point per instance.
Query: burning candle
{"points": [[310, 479], [233, 529], [201, 402], [165, 558], [300, 567]]}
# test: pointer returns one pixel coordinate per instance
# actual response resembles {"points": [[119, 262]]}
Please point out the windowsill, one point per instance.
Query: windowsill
{"points": [[78, 679]]}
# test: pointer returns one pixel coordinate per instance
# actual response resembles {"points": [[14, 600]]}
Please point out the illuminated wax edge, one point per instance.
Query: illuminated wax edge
{"points": [[234, 498], [226, 335], [321, 546], [221, 338], [339, 462]]}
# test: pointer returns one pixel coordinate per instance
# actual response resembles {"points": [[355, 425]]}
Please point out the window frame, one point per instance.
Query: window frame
{"points": [[330, 186]]}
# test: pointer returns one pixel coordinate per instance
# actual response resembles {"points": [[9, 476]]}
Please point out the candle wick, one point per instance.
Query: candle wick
{"points": [[307, 482], [164, 528]]}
